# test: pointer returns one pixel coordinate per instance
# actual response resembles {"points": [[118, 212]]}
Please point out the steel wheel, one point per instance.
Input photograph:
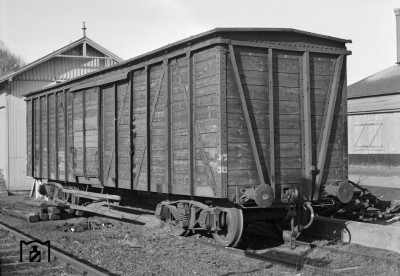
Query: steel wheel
{"points": [[231, 232]]}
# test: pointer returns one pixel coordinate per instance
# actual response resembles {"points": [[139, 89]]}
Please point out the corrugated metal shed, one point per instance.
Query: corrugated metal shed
{"points": [[78, 58]]}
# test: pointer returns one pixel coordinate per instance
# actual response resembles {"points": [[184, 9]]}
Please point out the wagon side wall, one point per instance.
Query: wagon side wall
{"points": [[155, 129]]}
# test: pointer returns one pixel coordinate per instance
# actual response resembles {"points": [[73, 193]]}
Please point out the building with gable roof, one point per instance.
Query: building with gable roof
{"points": [[76, 59], [374, 116]]}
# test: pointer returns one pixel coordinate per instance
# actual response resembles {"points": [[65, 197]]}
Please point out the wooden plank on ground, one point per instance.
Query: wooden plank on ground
{"points": [[97, 195]]}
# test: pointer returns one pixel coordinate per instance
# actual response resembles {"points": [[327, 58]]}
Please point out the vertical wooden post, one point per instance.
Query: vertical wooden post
{"points": [[271, 119], [84, 130], [306, 124], [223, 146], [40, 138], [344, 122], [56, 132], [100, 136], [148, 125], [116, 135], [65, 136], [48, 136], [131, 123], [168, 159], [190, 123]]}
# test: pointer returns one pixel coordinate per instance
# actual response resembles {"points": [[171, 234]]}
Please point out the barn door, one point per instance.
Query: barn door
{"points": [[368, 136]]}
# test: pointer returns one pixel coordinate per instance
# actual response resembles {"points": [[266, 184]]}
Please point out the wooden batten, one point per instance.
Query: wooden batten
{"points": [[190, 107], [100, 138], [271, 119], [306, 124], [146, 151]]}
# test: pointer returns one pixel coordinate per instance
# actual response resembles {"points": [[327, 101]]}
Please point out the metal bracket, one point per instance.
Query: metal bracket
{"points": [[222, 169], [223, 157]]}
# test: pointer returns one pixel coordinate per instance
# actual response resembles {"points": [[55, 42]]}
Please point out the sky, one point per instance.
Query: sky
{"points": [[128, 28]]}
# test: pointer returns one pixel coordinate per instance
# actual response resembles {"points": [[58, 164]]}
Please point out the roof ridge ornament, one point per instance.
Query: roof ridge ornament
{"points": [[84, 29]]}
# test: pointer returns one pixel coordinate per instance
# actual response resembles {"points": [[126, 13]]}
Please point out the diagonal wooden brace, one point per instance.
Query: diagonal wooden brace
{"points": [[327, 126], [246, 115]]}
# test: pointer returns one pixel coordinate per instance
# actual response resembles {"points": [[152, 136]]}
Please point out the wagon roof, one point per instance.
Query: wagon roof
{"points": [[194, 39]]}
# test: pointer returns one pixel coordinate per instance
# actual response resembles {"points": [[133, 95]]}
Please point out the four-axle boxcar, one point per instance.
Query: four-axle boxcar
{"points": [[236, 125]]}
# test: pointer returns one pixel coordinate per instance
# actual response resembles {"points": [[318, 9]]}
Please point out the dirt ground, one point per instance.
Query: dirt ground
{"points": [[127, 248], [381, 181], [137, 248]]}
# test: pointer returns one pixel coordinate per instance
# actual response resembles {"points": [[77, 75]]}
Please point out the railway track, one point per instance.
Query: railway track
{"points": [[310, 258], [37, 261], [297, 263], [312, 264]]}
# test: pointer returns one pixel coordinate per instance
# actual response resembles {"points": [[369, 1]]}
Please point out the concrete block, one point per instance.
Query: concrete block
{"points": [[366, 234]]}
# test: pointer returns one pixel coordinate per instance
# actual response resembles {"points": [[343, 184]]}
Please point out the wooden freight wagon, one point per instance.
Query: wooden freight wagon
{"points": [[255, 117]]}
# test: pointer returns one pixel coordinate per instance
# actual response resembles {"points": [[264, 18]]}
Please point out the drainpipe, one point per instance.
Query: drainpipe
{"points": [[397, 13]]}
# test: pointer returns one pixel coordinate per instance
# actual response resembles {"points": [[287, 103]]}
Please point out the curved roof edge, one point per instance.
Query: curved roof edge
{"points": [[385, 82]]}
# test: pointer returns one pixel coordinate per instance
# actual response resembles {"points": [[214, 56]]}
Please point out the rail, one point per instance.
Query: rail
{"points": [[56, 255]]}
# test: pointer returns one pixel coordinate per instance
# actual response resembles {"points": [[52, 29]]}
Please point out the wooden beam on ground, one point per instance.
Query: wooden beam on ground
{"points": [[90, 194], [28, 216], [101, 208]]}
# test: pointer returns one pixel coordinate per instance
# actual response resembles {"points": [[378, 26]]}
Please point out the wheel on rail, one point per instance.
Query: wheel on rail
{"points": [[232, 229]]}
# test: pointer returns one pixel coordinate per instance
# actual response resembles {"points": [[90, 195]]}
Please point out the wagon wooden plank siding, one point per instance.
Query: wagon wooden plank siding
{"points": [[250, 116]]}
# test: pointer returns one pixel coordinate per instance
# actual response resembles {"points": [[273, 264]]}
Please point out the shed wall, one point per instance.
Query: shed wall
{"points": [[3, 139], [378, 104], [374, 139]]}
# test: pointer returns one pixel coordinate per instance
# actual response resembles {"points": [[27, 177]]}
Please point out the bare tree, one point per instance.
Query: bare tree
{"points": [[8, 61]]}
